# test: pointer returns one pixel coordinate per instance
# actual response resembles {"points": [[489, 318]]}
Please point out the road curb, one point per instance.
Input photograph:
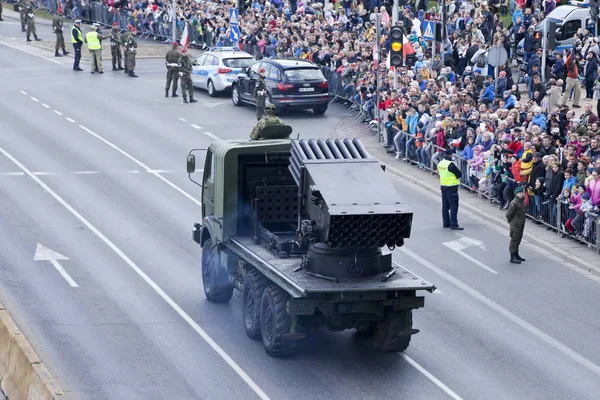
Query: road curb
{"points": [[23, 376], [560, 253]]}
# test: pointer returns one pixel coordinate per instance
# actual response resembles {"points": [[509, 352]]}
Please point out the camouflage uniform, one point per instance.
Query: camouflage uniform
{"points": [[269, 120], [132, 49], [30, 19], [124, 39], [185, 73], [516, 218], [22, 14], [115, 49], [172, 63], [57, 27], [260, 93]]}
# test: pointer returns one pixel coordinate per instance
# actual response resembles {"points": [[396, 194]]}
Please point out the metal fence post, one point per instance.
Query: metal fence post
{"points": [[558, 217], [597, 235]]}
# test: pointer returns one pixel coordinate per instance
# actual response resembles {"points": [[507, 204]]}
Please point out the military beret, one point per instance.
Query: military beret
{"points": [[519, 189]]}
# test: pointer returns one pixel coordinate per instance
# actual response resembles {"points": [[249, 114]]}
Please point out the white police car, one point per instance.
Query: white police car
{"points": [[215, 69]]}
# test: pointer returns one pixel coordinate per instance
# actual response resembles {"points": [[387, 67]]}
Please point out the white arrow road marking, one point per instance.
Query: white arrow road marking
{"points": [[42, 253], [159, 291], [464, 243], [549, 340]]}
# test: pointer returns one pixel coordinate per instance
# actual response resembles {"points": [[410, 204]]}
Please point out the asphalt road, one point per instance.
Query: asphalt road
{"points": [[93, 167]]}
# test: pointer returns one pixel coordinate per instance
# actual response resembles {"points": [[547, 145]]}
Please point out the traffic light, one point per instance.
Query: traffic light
{"points": [[537, 40], [396, 37]]}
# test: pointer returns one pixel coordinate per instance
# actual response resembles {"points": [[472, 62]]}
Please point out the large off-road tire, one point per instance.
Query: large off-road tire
{"points": [[275, 322], [235, 96], [215, 281], [393, 333], [254, 287]]}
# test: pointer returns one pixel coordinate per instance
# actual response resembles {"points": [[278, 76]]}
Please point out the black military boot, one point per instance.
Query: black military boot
{"points": [[174, 94], [115, 68], [166, 92], [514, 259], [185, 100], [125, 71], [519, 257], [121, 68], [37, 39], [56, 54], [28, 39], [192, 100], [132, 74], [65, 52]]}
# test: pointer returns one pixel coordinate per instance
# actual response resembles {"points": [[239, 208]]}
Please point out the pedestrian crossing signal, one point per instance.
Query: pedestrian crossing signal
{"points": [[396, 39]]}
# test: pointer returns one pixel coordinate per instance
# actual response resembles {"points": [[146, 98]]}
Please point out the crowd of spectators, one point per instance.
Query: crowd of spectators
{"points": [[505, 134]]}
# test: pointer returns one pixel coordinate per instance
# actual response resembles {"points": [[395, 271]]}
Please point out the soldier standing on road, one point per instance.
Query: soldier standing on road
{"points": [[172, 63], [124, 40], [115, 47], [269, 120], [260, 94], [30, 19], [77, 40], [185, 73], [93, 38], [57, 27], [516, 218], [23, 14], [132, 48], [450, 181]]}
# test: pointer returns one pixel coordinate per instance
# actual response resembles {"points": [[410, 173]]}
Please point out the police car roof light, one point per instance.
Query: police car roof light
{"points": [[230, 48], [579, 4]]}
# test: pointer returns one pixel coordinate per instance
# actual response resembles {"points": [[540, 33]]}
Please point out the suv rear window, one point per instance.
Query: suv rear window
{"points": [[238, 62], [303, 74]]}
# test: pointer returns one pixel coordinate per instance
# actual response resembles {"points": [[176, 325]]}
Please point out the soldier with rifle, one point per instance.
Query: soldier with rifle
{"points": [[185, 73]]}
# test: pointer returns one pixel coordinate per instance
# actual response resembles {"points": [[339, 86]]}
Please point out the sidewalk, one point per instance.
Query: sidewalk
{"points": [[146, 49], [549, 243]]}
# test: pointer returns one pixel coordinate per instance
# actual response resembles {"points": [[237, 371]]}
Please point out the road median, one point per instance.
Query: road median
{"points": [[23, 376]]}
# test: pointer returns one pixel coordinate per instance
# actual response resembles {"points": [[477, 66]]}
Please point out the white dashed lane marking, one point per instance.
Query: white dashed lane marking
{"points": [[45, 105], [34, 99], [195, 126], [70, 120], [58, 112]]}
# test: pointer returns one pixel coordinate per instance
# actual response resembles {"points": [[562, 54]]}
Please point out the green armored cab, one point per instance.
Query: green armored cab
{"points": [[304, 230]]}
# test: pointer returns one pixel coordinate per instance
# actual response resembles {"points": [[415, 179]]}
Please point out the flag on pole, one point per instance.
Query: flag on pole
{"points": [[407, 47], [185, 38]]}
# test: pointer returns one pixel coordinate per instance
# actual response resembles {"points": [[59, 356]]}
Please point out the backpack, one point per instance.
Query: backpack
{"points": [[481, 60]]}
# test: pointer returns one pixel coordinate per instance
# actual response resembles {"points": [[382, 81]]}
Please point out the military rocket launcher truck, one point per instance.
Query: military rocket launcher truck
{"points": [[303, 229]]}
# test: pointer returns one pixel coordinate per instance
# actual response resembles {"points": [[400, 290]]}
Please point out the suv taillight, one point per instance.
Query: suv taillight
{"points": [[324, 84], [224, 70], [284, 86]]}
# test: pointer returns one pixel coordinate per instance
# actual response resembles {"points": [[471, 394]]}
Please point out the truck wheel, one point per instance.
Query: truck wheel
{"points": [[216, 282], [254, 286], [393, 333], [275, 322]]}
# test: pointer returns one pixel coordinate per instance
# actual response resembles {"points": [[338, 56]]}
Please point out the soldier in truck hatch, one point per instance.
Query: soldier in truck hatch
{"points": [[270, 120]]}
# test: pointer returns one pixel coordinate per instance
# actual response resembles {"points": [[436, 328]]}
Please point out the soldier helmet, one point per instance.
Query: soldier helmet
{"points": [[270, 109]]}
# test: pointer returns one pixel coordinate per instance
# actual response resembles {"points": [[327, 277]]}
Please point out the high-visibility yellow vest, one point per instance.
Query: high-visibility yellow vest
{"points": [[93, 41], [447, 178], [78, 35]]}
